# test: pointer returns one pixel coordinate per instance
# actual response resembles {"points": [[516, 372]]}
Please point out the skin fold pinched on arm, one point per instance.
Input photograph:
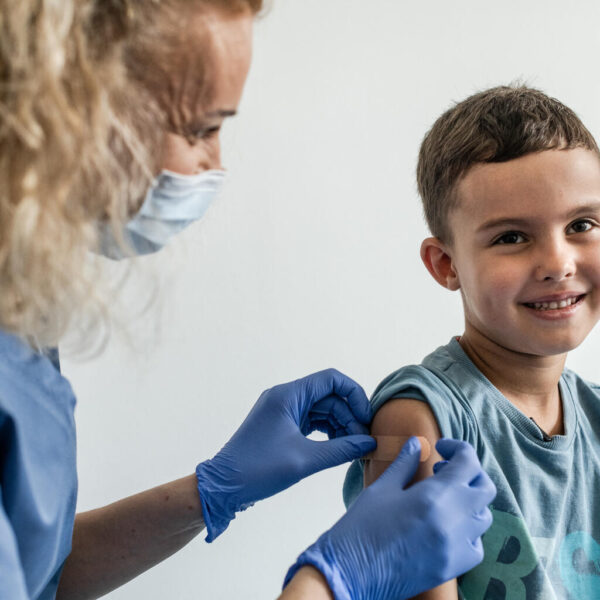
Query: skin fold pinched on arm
{"points": [[406, 417]]}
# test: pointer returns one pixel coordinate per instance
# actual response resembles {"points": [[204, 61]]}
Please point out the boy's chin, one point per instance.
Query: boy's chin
{"points": [[554, 347], [530, 342]]}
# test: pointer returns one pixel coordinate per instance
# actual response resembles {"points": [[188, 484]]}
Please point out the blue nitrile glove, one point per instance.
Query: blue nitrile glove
{"points": [[269, 452], [395, 542]]}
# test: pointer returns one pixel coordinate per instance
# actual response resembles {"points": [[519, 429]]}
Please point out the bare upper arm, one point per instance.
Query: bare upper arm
{"points": [[406, 417]]}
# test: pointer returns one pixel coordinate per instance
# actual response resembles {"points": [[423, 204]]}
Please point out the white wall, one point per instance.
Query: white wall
{"points": [[310, 259]]}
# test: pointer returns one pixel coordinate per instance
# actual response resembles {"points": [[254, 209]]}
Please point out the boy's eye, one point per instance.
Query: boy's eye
{"points": [[580, 226], [510, 237]]}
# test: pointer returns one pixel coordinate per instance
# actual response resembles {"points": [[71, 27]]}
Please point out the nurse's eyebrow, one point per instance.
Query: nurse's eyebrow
{"points": [[221, 113], [201, 123]]}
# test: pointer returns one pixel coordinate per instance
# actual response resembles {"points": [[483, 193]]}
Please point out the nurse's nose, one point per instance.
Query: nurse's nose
{"points": [[209, 156], [556, 261]]}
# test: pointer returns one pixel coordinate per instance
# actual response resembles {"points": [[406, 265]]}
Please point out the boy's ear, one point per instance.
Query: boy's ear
{"points": [[439, 263]]}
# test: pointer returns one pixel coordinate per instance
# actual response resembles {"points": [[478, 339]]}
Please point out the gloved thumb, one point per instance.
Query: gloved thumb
{"points": [[405, 465], [339, 451]]}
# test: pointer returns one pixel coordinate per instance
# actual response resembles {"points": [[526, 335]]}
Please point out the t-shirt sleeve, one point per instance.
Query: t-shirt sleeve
{"points": [[453, 416], [12, 578], [454, 419]]}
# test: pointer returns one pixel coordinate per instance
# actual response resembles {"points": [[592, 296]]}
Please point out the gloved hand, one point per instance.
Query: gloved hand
{"points": [[269, 452], [396, 543]]}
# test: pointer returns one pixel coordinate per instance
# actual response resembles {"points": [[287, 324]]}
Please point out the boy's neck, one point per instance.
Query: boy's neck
{"points": [[529, 382]]}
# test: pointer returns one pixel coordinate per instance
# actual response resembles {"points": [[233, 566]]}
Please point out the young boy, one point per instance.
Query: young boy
{"points": [[510, 181]]}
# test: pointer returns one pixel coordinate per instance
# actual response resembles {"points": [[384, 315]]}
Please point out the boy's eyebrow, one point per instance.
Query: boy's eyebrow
{"points": [[592, 207], [586, 208], [493, 223]]}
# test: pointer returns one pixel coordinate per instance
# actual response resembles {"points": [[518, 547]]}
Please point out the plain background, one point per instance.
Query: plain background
{"points": [[310, 258]]}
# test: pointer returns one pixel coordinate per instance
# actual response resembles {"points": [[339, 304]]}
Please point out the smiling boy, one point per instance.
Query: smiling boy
{"points": [[510, 182]]}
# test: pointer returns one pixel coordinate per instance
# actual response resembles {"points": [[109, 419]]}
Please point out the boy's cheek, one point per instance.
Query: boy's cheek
{"points": [[596, 313], [493, 275]]}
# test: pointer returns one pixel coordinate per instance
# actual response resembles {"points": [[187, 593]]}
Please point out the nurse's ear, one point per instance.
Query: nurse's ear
{"points": [[438, 260]]}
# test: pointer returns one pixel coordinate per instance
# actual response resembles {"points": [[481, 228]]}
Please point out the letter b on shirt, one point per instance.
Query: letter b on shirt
{"points": [[509, 558]]}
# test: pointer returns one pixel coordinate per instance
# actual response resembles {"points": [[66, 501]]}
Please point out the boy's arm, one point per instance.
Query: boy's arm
{"points": [[405, 417]]}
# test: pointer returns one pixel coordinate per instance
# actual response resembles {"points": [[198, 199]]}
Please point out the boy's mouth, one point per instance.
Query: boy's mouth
{"points": [[555, 304]]}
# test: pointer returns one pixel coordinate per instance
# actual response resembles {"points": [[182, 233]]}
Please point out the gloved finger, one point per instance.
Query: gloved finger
{"points": [[438, 466], [338, 413], [485, 485], [338, 451], [476, 499], [463, 465], [405, 465], [324, 410], [470, 555], [323, 427], [477, 546], [342, 413], [485, 518], [328, 382], [478, 524], [448, 447], [319, 418]]}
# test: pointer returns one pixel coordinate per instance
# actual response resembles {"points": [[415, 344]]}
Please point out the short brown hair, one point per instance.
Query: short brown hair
{"points": [[496, 125]]}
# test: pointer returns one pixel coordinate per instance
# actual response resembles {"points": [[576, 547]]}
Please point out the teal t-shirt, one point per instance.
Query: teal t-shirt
{"points": [[544, 543]]}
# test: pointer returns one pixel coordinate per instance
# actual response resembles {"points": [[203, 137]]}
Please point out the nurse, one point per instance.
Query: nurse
{"points": [[77, 138]]}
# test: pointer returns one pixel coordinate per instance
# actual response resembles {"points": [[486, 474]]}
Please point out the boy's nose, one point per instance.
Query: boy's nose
{"points": [[556, 261]]}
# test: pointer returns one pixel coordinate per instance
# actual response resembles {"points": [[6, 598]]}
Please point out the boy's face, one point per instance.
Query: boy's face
{"points": [[526, 250]]}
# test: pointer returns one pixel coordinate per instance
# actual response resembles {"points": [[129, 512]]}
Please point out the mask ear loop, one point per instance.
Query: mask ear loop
{"points": [[389, 446]]}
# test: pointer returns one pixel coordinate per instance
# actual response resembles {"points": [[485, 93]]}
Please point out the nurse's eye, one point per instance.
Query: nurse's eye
{"points": [[212, 132], [510, 237], [206, 134], [581, 226]]}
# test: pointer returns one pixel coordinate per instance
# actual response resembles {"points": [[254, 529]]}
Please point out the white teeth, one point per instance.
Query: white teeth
{"points": [[553, 305]]}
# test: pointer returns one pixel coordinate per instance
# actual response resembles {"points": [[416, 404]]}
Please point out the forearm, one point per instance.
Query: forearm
{"points": [[446, 591], [307, 583], [114, 544]]}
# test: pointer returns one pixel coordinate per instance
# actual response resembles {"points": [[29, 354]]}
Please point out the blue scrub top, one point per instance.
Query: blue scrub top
{"points": [[38, 478]]}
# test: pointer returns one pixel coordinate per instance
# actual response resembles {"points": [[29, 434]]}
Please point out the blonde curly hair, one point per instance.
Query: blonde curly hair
{"points": [[71, 154], [83, 108]]}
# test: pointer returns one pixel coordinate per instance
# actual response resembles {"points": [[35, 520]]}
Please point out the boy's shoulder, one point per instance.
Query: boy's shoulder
{"points": [[578, 386], [437, 382], [446, 373], [447, 382]]}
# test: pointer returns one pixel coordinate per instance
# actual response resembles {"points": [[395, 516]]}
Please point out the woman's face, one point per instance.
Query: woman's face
{"points": [[223, 51]]}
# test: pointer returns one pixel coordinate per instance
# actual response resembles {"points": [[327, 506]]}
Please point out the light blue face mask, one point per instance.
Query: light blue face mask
{"points": [[172, 203]]}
